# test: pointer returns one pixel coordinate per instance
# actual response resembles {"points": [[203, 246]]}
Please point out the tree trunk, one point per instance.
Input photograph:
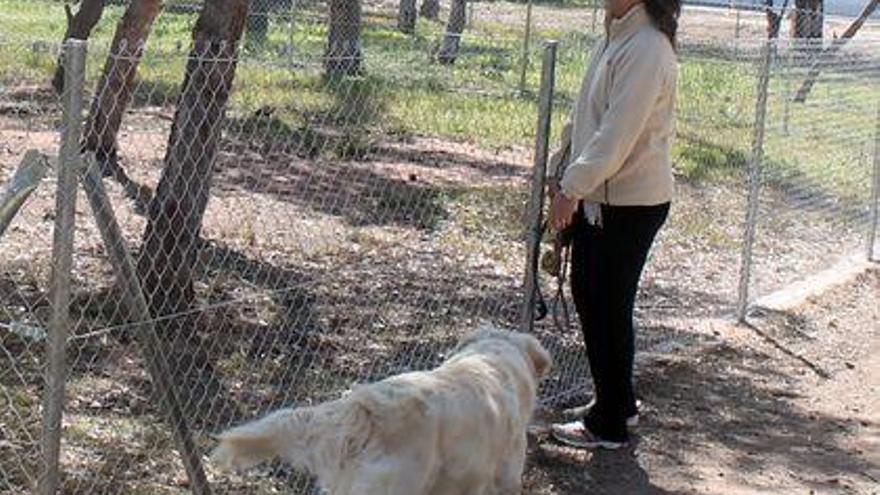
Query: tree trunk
{"points": [[430, 9], [169, 253], [258, 23], [406, 16], [171, 239], [343, 54], [448, 51], [809, 19], [774, 19], [825, 56], [79, 27], [115, 88]]}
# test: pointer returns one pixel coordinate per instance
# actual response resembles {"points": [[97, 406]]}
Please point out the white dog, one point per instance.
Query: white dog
{"points": [[459, 429]]}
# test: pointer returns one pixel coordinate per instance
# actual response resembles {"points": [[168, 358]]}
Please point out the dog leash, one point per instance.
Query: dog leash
{"points": [[559, 301], [555, 262], [556, 265]]}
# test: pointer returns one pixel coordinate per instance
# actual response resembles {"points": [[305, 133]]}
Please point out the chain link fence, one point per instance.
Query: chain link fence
{"points": [[355, 226], [269, 231], [25, 270], [817, 191]]}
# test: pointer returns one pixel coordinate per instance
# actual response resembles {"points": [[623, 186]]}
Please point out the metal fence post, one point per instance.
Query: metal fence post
{"points": [[754, 171], [787, 73], [736, 30], [527, 37], [24, 181], [594, 4], [539, 172], [62, 254], [291, 22], [145, 332], [875, 194]]}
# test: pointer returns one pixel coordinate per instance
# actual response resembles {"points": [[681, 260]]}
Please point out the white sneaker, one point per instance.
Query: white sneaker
{"points": [[575, 434]]}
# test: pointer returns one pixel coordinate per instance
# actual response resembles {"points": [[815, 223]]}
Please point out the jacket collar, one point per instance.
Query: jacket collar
{"points": [[630, 22]]}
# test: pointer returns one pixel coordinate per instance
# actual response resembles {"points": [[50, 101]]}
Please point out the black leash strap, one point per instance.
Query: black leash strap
{"points": [[558, 305], [561, 250]]}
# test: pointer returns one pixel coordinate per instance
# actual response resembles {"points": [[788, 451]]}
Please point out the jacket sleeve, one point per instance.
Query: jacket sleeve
{"points": [[556, 159], [639, 73], [559, 155]]}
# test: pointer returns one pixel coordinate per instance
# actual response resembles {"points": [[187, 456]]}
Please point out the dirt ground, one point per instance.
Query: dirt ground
{"points": [[788, 404]]}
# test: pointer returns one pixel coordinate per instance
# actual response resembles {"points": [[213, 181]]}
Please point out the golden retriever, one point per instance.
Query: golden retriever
{"points": [[459, 429]]}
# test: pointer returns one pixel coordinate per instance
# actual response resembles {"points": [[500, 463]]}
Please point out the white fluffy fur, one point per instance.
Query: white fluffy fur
{"points": [[459, 429]]}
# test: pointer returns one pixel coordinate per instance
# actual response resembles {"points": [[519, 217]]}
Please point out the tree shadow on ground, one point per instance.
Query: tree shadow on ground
{"points": [[568, 383], [602, 473], [354, 191], [275, 335], [675, 301], [718, 396], [339, 161], [753, 419], [444, 158]]}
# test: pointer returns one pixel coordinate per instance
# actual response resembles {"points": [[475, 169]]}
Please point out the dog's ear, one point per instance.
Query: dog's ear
{"points": [[537, 353]]}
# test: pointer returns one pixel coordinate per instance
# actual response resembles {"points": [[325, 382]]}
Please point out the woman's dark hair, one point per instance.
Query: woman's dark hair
{"points": [[664, 15]]}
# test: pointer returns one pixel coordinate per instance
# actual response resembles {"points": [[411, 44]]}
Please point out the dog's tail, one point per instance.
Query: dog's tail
{"points": [[305, 437], [261, 440]]}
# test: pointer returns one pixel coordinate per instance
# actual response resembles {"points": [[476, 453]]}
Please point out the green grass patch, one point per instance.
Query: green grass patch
{"points": [[474, 100]]}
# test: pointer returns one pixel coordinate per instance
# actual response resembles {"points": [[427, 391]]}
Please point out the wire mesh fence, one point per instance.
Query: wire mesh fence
{"points": [[296, 231], [336, 245], [25, 269], [820, 153]]}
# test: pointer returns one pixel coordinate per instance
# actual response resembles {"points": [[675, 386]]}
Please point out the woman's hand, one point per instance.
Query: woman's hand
{"points": [[562, 211]]}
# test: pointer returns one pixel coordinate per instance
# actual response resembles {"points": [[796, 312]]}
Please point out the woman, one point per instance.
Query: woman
{"points": [[615, 195]]}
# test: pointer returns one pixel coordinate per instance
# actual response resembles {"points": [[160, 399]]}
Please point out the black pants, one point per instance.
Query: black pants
{"points": [[606, 264]]}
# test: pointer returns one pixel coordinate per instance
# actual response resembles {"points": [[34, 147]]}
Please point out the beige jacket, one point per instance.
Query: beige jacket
{"points": [[621, 126]]}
